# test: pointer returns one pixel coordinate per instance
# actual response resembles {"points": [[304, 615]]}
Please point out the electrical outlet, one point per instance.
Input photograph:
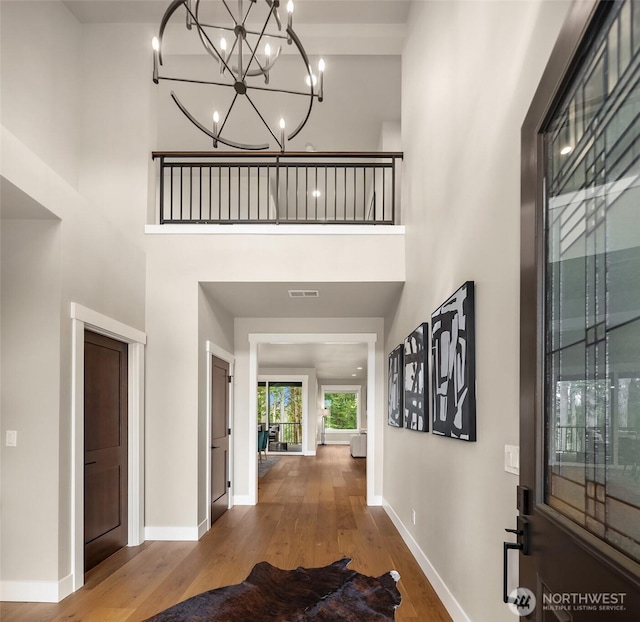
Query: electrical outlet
{"points": [[413, 516], [12, 438]]}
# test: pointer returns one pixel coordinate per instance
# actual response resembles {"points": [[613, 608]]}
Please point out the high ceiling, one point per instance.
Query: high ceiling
{"points": [[306, 11]]}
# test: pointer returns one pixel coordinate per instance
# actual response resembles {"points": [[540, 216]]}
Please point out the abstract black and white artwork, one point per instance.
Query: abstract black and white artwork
{"points": [[453, 366], [395, 387], [416, 366]]}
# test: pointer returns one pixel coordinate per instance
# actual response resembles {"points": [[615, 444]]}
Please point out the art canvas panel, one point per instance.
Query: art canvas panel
{"points": [[395, 388], [416, 369], [453, 365]]}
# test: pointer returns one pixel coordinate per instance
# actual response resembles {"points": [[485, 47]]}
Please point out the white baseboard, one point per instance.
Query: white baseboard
{"points": [[202, 528], [242, 500], [190, 534], [328, 442], [36, 591], [440, 587], [310, 453], [375, 500]]}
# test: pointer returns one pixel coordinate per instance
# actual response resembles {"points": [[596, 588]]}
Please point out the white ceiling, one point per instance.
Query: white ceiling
{"points": [[306, 11], [331, 361], [271, 300]]}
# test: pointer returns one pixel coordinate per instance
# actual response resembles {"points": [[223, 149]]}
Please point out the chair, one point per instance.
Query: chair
{"points": [[263, 439], [274, 430]]}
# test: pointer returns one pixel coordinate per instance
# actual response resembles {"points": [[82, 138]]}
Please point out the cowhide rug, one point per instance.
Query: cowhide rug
{"points": [[270, 594]]}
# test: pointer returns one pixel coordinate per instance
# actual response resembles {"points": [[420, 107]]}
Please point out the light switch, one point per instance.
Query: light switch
{"points": [[12, 438], [512, 459]]}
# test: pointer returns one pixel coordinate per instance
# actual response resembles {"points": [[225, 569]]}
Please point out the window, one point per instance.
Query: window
{"points": [[342, 407]]}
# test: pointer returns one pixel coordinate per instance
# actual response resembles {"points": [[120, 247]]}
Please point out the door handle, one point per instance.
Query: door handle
{"points": [[88, 463], [521, 545], [214, 447]]}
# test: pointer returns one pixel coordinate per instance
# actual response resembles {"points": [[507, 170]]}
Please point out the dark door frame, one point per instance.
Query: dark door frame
{"points": [[584, 16], [211, 351], [81, 318]]}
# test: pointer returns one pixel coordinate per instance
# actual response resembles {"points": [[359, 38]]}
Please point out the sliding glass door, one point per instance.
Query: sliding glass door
{"points": [[280, 410]]}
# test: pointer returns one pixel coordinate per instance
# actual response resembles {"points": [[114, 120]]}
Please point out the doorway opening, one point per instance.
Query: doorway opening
{"points": [[372, 368]]}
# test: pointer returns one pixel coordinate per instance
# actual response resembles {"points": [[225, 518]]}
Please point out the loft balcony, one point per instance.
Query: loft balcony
{"points": [[235, 188]]}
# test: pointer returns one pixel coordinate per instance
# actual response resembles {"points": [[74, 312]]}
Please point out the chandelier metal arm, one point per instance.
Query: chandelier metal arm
{"points": [[224, 122], [206, 41], [253, 51], [263, 121], [244, 21], [275, 14], [233, 17], [190, 81], [284, 91], [224, 141], [165, 19]]}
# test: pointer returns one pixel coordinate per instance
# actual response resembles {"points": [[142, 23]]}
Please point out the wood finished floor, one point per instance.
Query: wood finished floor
{"points": [[311, 512]]}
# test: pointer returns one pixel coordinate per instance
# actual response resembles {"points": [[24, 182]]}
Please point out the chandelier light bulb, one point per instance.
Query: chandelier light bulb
{"points": [[289, 19], [565, 150], [155, 44], [223, 44], [216, 118], [267, 50], [321, 72], [282, 134]]}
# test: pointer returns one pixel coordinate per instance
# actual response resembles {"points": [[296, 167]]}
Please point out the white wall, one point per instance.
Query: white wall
{"points": [[40, 52], [30, 364], [96, 267], [117, 123], [469, 72]]}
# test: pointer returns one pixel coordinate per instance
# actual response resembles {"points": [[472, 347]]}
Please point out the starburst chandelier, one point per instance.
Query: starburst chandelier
{"points": [[244, 46]]}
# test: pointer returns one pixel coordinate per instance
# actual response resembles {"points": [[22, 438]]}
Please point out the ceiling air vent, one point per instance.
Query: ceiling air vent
{"points": [[304, 293]]}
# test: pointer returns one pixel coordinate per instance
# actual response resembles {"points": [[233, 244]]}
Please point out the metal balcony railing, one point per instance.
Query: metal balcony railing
{"points": [[278, 188]]}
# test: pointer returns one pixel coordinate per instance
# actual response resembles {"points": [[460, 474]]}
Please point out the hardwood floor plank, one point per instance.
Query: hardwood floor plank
{"points": [[311, 512]]}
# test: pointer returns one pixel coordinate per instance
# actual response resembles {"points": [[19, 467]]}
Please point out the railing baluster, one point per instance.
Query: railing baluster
{"points": [[161, 204], [393, 191]]}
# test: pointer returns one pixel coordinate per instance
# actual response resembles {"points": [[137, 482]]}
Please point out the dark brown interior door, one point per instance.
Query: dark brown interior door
{"points": [[105, 448], [219, 445], [579, 499]]}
